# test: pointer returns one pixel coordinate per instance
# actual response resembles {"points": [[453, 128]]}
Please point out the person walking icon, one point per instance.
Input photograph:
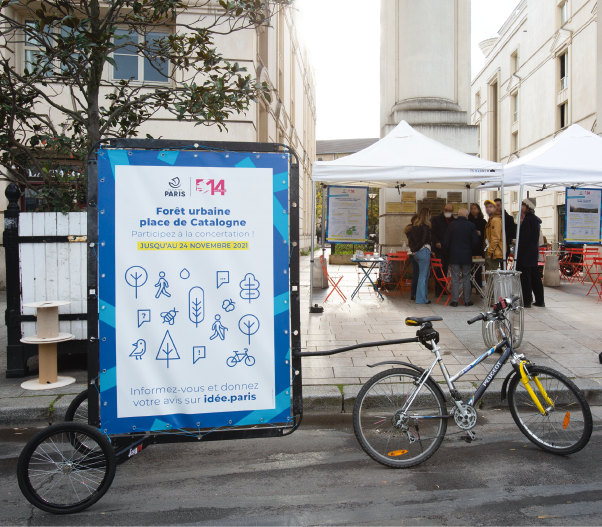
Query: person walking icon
{"points": [[162, 285], [219, 330]]}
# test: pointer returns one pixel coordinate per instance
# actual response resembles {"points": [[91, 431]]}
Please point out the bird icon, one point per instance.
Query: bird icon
{"points": [[139, 349]]}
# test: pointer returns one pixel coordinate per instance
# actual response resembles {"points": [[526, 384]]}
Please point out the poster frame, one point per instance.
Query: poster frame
{"points": [[93, 277], [328, 240], [566, 221]]}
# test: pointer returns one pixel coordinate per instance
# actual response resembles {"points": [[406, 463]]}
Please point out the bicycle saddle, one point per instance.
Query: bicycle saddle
{"points": [[418, 321]]}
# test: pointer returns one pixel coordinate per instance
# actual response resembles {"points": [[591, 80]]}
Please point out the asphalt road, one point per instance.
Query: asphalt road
{"points": [[320, 476]]}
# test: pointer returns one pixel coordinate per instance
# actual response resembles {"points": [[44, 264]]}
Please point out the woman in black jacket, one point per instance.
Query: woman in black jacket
{"points": [[419, 239], [476, 217]]}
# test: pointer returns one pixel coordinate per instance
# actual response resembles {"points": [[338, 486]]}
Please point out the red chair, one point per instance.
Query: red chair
{"points": [[444, 281], [331, 280], [595, 269]]}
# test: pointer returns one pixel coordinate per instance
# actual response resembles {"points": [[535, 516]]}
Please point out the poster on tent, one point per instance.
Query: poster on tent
{"points": [[583, 216], [347, 214], [193, 290]]}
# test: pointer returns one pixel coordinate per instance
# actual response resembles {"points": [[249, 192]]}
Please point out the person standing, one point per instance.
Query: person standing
{"points": [[415, 267], [528, 255], [460, 240], [493, 237], [419, 240], [440, 225], [509, 224], [478, 220]]}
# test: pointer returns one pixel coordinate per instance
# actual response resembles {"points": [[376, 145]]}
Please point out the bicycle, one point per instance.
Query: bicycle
{"points": [[239, 357], [400, 415]]}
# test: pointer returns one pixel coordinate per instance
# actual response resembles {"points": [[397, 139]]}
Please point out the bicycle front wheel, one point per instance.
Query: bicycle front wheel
{"points": [[392, 434], [567, 426]]}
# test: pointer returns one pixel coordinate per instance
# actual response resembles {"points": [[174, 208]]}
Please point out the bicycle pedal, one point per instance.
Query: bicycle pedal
{"points": [[470, 437]]}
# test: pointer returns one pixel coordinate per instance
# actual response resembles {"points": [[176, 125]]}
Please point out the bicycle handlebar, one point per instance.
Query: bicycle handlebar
{"points": [[482, 316], [476, 319]]}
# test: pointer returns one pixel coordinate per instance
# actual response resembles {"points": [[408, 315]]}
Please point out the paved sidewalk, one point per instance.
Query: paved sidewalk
{"points": [[566, 335]]}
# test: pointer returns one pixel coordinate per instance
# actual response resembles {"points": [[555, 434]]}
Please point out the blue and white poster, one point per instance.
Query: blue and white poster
{"points": [[347, 214], [583, 216], [193, 289]]}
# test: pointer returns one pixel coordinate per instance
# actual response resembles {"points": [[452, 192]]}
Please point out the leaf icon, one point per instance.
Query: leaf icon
{"points": [[249, 287], [196, 305]]}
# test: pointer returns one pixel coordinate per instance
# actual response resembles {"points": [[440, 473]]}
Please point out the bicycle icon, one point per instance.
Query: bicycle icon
{"points": [[239, 357]]}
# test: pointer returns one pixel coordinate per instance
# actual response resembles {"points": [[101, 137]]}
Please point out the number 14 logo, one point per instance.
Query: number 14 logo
{"points": [[215, 188]]}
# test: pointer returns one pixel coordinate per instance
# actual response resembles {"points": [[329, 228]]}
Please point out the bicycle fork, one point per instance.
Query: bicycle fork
{"points": [[525, 378]]}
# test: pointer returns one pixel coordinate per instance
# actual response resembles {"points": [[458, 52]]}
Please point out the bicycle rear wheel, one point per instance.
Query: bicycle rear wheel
{"points": [[385, 433], [568, 425]]}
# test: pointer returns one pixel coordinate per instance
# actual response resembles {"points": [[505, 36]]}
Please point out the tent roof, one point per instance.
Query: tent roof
{"points": [[572, 159], [407, 158]]}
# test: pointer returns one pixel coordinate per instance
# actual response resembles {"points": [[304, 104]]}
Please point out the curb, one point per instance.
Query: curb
{"points": [[327, 399]]}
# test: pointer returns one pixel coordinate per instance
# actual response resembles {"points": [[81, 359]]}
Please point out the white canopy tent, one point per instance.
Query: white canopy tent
{"points": [[572, 159], [404, 159]]}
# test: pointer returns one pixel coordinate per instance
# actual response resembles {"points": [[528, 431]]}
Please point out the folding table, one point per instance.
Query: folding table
{"points": [[366, 270]]}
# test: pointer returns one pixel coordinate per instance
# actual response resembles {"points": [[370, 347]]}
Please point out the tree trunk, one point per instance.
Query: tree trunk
{"points": [[96, 66]]}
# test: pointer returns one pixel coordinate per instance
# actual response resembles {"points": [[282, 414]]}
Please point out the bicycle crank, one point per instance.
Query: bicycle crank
{"points": [[467, 418]]}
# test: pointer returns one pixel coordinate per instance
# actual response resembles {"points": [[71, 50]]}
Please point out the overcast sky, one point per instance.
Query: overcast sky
{"points": [[343, 38]]}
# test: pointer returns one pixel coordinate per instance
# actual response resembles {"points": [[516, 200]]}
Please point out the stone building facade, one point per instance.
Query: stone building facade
{"points": [[273, 53], [543, 72]]}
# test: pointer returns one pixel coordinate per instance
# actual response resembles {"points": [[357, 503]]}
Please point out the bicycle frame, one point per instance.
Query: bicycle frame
{"points": [[450, 380]]}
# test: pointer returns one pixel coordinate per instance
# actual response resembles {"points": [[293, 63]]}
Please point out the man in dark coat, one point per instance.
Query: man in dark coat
{"points": [[528, 256], [439, 226], [460, 240]]}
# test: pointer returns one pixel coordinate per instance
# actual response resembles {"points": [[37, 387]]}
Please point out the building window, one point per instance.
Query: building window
{"points": [[564, 13], [515, 108], [477, 100], [515, 142], [564, 115], [514, 197], [564, 71], [33, 51], [514, 62], [479, 140], [132, 65]]}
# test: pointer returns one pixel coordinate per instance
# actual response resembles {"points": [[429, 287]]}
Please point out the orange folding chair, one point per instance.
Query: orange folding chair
{"points": [[576, 265], [595, 269], [334, 281], [589, 255], [444, 281]]}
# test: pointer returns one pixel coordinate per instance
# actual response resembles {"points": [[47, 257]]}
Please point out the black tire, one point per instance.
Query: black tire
{"points": [[551, 432], [78, 409], [427, 434], [57, 477]]}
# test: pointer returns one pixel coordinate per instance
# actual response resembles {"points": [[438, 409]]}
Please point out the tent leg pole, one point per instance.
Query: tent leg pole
{"points": [[312, 308], [505, 257], [520, 210]]}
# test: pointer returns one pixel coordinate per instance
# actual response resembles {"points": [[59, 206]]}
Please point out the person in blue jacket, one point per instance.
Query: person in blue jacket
{"points": [[459, 241]]}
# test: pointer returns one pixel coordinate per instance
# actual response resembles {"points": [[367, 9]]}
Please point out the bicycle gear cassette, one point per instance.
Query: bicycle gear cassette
{"points": [[467, 421]]}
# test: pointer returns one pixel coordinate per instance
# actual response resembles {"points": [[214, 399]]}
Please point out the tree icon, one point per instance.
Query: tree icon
{"points": [[196, 305], [136, 277], [249, 287], [168, 350], [248, 325]]}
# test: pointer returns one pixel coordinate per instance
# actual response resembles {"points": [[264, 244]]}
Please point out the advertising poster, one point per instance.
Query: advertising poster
{"points": [[347, 215], [583, 219], [193, 289]]}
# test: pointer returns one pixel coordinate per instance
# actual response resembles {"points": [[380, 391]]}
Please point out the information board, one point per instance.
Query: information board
{"points": [[193, 290], [583, 218], [347, 214]]}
